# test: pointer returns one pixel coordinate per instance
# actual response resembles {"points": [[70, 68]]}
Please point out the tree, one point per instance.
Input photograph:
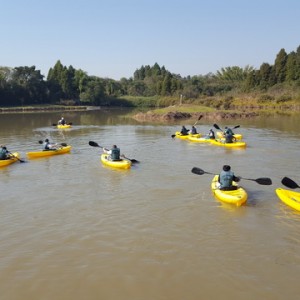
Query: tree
{"points": [[280, 66], [30, 85], [291, 67], [265, 72]]}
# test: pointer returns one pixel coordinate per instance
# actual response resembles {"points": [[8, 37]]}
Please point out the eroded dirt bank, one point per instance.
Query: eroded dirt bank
{"points": [[175, 116]]}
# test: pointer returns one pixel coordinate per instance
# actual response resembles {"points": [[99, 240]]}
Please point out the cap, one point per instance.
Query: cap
{"points": [[226, 168]]}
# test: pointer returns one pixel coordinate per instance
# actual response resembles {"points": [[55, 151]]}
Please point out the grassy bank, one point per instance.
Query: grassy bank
{"points": [[33, 108]]}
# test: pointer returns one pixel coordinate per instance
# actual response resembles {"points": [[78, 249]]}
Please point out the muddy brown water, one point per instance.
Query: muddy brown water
{"points": [[74, 229]]}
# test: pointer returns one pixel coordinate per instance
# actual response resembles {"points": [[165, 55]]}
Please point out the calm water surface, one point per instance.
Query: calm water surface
{"points": [[74, 229]]}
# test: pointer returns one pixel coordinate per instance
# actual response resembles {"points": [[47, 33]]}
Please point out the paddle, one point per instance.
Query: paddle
{"points": [[20, 160], [134, 161], [62, 144], [198, 120], [289, 183], [61, 124], [217, 127], [94, 144], [262, 181]]}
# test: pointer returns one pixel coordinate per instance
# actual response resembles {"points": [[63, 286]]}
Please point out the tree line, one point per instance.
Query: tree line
{"points": [[65, 85]]}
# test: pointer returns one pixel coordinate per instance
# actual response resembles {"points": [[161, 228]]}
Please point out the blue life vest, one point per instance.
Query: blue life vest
{"points": [[115, 154], [3, 154], [228, 138], [225, 179]]}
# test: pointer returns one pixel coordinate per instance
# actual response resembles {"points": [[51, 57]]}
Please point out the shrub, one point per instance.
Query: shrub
{"points": [[284, 98], [265, 98]]}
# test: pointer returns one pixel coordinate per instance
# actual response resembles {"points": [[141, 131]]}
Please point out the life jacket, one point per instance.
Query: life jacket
{"points": [[225, 179], [228, 138], [184, 131], [3, 154], [46, 146], [115, 154]]}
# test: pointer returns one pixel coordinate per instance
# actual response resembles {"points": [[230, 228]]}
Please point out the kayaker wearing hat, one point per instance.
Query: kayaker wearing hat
{"points": [[226, 178]]}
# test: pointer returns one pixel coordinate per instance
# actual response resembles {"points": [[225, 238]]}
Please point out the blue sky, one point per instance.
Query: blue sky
{"points": [[113, 38]]}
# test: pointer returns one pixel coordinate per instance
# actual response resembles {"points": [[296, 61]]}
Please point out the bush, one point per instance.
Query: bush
{"points": [[265, 98], [284, 98]]}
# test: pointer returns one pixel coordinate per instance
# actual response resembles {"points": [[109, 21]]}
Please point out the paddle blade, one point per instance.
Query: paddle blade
{"points": [[237, 126], [54, 124], [217, 127], [134, 161], [197, 171], [200, 117], [264, 181], [41, 142], [289, 183], [64, 144], [173, 135], [94, 144]]}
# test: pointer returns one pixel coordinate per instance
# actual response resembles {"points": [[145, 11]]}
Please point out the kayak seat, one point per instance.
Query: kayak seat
{"points": [[230, 188]]}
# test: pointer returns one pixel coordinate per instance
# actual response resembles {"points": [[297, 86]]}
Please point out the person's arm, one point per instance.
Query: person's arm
{"points": [[106, 151], [236, 178]]}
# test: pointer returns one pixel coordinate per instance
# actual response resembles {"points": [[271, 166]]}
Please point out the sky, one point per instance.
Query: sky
{"points": [[114, 38]]}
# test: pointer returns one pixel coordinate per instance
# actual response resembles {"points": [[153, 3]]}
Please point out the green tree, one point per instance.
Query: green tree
{"points": [[30, 85], [280, 66], [265, 73], [291, 67]]}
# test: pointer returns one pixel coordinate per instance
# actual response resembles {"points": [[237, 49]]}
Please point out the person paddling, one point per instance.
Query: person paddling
{"points": [[226, 179], [184, 131], [62, 121], [49, 146], [114, 153], [4, 153], [193, 130]]}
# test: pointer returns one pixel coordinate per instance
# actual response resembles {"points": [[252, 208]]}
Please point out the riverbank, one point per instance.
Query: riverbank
{"points": [[42, 108], [246, 110], [173, 116]]}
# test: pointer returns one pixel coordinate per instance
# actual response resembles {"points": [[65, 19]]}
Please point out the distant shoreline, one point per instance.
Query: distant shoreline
{"points": [[46, 108]]}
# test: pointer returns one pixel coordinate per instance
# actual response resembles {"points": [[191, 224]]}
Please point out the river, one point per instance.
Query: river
{"points": [[74, 229]]}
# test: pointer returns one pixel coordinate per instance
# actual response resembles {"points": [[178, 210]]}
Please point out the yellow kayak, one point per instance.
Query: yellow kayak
{"points": [[221, 142], [13, 158], [236, 197], [120, 164], [237, 136], [44, 153], [199, 139], [290, 198], [64, 126], [185, 137]]}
